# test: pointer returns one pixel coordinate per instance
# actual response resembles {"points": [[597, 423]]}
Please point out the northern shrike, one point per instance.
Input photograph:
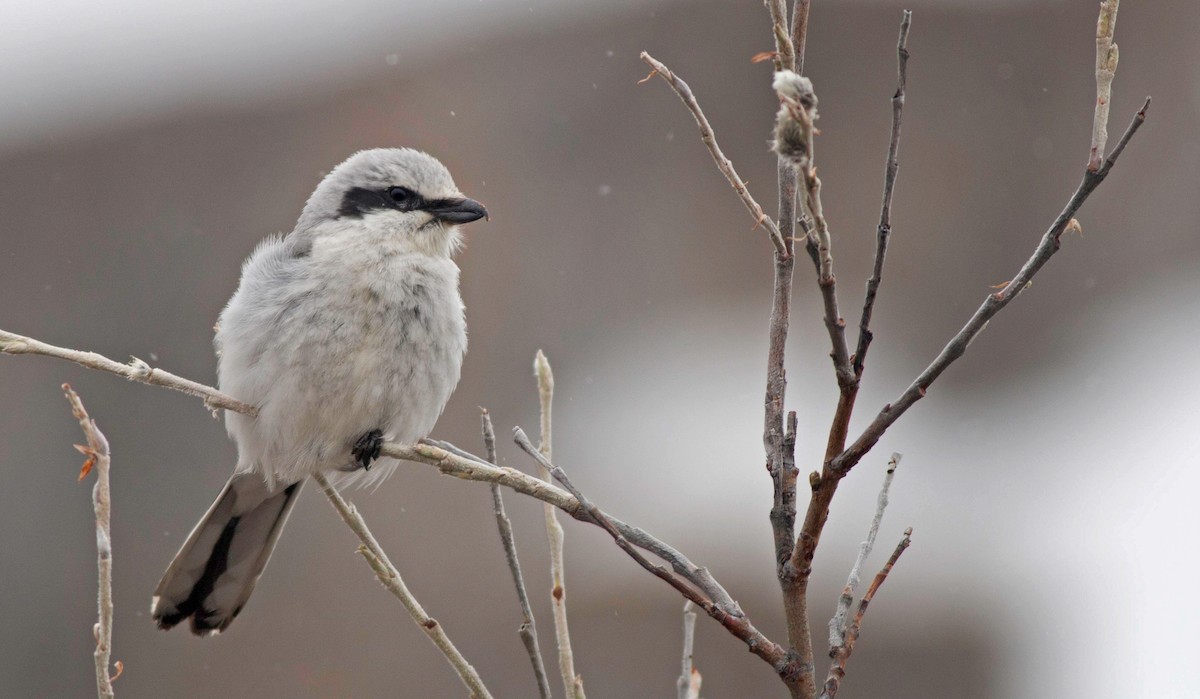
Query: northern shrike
{"points": [[345, 332]]}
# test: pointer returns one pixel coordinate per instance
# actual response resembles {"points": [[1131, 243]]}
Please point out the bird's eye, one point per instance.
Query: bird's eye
{"points": [[404, 198]]}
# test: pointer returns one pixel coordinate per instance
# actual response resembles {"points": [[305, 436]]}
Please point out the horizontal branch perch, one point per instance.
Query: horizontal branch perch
{"points": [[135, 370], [461, 464]]}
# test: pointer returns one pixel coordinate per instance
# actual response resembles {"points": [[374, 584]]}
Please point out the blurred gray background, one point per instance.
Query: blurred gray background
{"points": [[1050, 477]]}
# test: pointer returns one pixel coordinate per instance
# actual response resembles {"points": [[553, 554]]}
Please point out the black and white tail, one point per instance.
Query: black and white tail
{"points": [[214, 573]]}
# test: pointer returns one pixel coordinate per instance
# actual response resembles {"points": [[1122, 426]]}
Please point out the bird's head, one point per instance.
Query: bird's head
{"points": [[399, 197]]}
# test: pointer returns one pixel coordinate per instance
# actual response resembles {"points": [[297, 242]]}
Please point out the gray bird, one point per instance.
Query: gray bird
{"points": [[344, 333]]}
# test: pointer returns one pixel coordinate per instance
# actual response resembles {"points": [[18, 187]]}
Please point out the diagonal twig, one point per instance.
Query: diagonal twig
{"points": [[99, 458], [884, 231], [993, 304], [837, 625], [135, 370], [723, 164], [785, 50], [719, 606], [800, 32], [390, 577], [837, 670], [528, 629]]}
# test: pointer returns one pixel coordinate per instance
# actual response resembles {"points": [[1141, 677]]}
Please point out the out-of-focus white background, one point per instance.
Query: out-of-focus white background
{"points": [[1050, 476]]}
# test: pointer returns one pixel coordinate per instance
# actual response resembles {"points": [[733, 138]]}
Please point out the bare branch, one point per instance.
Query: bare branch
{"points": [[1106, 68], [98, 457], [453, 461], [715, 601], [884, 231], [528, 628], [688, 684], [135, 370], [710, 140], [992, 305], [837, 625], [710, 597], [837, 670], [572, 682], [800, 32], [783, 513], [390, 577], [785, 51]]}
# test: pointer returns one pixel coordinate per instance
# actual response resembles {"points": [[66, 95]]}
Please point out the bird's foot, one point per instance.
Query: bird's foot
{"points": [[367, 449]]}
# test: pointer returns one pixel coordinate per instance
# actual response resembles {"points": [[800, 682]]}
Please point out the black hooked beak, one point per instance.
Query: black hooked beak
{"points": [[456, 210]]}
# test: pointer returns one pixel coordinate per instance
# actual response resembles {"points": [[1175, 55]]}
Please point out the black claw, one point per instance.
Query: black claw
{"points": [[367, 449]]}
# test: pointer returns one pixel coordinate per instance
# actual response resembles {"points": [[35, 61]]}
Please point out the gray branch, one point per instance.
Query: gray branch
{"points": [[837, 625], [99, 458], [135, 370], [528, 628], [390, 577], [688, 684]]}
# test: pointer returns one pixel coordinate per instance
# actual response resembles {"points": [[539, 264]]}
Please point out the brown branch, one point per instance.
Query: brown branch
{"points": [[710, 140], [837, 670], [884, 231], [800, 32], [837, 625], [992, 305], [785, 50], [824, 485], [528, 629], [98, 457], [703, 590]]}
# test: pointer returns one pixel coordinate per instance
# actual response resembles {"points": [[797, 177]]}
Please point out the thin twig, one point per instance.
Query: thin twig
{"points": [[688, 684], [785, 51], [572, 682], [453, 461], [837, 670], [738, 625], [884, 231], [800, 32], [992, 305], [390, 577], [528, 629], [98, 457], [1106, 68], [837, 625], [723, 164], [135, 370]]}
